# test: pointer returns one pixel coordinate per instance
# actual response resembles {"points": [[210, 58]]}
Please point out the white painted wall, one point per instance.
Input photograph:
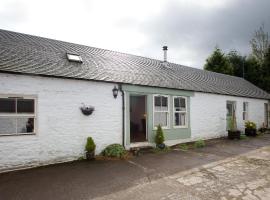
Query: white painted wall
{"points": [[61, 127], [208, 114]]}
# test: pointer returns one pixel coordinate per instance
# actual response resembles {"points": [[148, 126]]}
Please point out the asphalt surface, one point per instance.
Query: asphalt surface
{"points": [[97, 179]]}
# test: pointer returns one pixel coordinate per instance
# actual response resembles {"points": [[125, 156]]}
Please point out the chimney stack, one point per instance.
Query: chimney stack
{"points": [[165, 49]]}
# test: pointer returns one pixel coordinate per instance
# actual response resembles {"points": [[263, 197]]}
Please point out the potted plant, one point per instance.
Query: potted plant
{"points": [[250, 129], [90, 148], [233, 133], [159, 139]]}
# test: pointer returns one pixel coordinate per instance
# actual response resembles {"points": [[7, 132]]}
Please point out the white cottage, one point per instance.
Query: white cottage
{"points": [[44, 83]]}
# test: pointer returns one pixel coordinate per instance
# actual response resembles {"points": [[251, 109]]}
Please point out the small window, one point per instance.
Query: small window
{"points": [[17, 116], [161, 111], [180, 112], [74, 57], [245, 111]]}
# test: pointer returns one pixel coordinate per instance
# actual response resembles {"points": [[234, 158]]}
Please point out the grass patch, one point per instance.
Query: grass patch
{"points": [[183, 147], [243, 137], [199, 144], [126, 156], [158, 150], [81, 158]]}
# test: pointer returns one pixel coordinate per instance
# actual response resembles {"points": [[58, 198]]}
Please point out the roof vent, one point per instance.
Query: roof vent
{"points": [[74, 57], [165, 49]]}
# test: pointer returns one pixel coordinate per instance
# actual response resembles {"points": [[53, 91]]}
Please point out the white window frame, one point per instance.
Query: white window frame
{"points": [[168, 112], [245, 112], [186, 111], [20, 115]]}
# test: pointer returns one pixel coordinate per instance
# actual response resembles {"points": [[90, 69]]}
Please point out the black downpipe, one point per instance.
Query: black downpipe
{"points": [[123, 114]]}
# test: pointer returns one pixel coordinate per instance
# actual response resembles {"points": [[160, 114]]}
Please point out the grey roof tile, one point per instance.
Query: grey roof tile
{"points": [[21, 53]]}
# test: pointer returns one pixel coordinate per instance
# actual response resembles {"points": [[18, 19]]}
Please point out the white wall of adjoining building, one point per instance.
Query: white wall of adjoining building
{"points": [[61, 127], [208, 114]]}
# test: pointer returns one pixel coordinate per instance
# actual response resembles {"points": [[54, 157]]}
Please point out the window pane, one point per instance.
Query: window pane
{"points": [[182, 104], [164, 101], [25, 106], [179, 119], [7, 105], [176, 104], [160, 118], [25, 125], [157, 103], [7, 126]]}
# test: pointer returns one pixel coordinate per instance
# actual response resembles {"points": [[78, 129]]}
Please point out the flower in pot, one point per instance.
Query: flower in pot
{"points": [[250, 129], [233, 133], [159, 139], [90, 148]]}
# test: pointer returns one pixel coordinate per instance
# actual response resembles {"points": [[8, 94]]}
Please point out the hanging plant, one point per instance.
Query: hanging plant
{"points": [[87, 110]]}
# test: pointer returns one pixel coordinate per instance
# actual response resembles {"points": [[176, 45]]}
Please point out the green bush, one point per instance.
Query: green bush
{"points": [[90, 145], [114, 150], [250, 125], [159, 139], [199, 144]]}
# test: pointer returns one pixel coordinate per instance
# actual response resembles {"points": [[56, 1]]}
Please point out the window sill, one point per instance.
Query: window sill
{"points": [[180, 127], [164, 128], [20, 134]]}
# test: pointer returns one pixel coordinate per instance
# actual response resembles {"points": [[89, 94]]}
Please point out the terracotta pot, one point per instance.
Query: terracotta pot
{"points": [[234, 134]]}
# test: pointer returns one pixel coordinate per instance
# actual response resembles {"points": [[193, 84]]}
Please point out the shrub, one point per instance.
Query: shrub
{"points": [[114, 150], [199, 144], [90, 145], [250, 125], [159, 139]]}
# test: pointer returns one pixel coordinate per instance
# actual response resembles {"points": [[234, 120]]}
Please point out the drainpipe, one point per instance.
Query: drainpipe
{"points": [[123, 114]]}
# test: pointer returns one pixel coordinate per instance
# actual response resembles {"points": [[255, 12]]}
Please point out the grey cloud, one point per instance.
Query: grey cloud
{"points": [[200, 29]]}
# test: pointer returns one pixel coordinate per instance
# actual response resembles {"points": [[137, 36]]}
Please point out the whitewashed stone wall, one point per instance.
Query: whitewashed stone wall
{"points": [[61, 127], [208, 114]]}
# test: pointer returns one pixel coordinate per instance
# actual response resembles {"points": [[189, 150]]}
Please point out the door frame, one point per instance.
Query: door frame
{"points": [[233, 103], [146, 117], [266, 114]]}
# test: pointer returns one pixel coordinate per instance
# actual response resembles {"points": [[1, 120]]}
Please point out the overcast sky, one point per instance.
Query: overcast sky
{"points": [[190, 28]]}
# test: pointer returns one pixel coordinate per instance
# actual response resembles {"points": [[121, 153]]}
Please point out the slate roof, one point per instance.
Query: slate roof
{"points": [[27, 54]]}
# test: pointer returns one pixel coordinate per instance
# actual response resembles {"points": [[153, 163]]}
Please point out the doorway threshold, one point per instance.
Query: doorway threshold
{"points": [[141, 144]]}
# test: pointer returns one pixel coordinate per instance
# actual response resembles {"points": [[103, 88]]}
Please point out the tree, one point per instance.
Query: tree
{"points": [[252, 71], [265, 82], [259, 44], [217, 62], [237, 62]]}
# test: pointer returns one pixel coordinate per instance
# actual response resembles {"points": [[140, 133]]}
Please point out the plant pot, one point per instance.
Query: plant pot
{"points": [[250, 132], [161, 146], [234, 135], [90, 155]]}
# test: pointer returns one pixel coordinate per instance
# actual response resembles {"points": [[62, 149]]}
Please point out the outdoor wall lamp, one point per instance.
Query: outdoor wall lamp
{"points": [[115, 92]]}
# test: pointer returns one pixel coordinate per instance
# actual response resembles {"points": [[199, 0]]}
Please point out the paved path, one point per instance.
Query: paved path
{"points": [[222, 170], [243, 177]]}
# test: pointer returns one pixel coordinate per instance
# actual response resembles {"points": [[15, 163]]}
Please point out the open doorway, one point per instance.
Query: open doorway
{"points": [[138, 118], [266, 114], [231, 108]]}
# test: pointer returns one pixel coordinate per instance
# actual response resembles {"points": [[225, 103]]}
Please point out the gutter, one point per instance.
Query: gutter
{"points": [[123, 114]]}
